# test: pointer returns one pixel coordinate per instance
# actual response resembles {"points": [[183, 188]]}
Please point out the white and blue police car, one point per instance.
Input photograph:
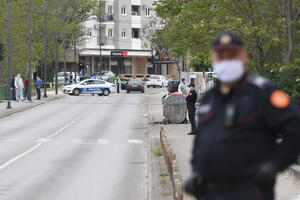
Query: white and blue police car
{"points": [[89, 86]]}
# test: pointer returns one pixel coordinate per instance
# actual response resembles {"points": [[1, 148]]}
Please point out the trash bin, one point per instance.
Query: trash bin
{"points": [[174, 109]]}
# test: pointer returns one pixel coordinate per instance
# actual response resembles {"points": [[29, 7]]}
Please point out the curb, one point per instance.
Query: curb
{"points": [[295, 171], [172, 166], [27, 107]]}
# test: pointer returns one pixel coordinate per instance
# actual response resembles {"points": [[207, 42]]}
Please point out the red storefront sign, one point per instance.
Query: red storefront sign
{"points": [[125, 53]]}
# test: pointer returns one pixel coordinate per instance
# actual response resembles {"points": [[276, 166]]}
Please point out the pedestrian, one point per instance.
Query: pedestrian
{"points": [[26, 85], [19, 87], [191, 105], [236, 153], [118, 81], [71, 78], [182, 88], [38, 86], [81, 75], [13, 87]]}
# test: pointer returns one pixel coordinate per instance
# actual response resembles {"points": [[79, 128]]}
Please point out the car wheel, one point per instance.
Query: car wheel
{"points": [[76, 92], [100, 94], [143, 91], [148, 86], [106, 92], [128, 91]]}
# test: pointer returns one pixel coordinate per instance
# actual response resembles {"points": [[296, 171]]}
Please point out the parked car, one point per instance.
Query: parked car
{"points": [[173, 86], [61, 77], [106, 76], [89, 86], [157, 81], [124, 85], [135, 85]]}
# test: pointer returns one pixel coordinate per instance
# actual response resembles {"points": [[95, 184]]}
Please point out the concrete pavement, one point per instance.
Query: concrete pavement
{"points": [[85, 147]]}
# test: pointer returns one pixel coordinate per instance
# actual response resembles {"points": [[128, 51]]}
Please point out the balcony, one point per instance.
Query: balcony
{"points": [[107, 18]]}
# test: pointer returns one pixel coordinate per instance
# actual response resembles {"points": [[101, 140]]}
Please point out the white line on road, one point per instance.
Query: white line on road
{"points": [[102, 141], [135, 141], [16, 158]]}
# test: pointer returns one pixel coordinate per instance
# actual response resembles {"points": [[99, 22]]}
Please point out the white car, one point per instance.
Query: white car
{"points": [[89, 86], [157, 81]]}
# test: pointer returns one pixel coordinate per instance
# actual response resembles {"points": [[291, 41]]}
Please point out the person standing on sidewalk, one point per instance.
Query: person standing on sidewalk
{"points": [[26, 85], [13, 87], [81, 75], [182, 88], [19, 88], [118, 80], [191, 105], [236, 153], [38, 86]]}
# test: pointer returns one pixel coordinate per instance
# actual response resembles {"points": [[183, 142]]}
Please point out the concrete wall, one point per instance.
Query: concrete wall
{"points": [[139, 65]]}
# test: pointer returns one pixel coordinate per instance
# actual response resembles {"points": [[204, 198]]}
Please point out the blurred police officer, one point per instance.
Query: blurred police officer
{"points": [[236, 156], [191, 105]]}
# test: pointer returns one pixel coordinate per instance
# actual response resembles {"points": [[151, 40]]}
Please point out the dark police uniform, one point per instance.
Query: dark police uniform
{"points": [[237, 135], [191, 101]]}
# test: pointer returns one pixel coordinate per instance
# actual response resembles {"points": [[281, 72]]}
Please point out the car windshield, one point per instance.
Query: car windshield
{"points": [[60, 74], [104, 73], [154, 77], [135, 82]]}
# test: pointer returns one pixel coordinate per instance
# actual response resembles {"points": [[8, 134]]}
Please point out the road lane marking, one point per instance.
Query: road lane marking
{"points": [[102, 141], [44, 140], [18, 157], [135, 141], [38, 145]]}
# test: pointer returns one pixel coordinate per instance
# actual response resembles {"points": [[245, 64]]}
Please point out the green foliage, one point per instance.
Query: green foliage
{"points": [[74, 15], [157, 152], [270, 29], [1, 51]]}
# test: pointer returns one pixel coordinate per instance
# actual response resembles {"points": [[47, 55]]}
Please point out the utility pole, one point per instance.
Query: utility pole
{"points": [[8, 56], [100, 38], [56, 51], [46, 43], [64, 39], [29, 44], [75, 52]]}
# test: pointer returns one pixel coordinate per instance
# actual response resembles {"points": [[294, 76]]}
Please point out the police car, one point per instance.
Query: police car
{"points": [[89, 86]]}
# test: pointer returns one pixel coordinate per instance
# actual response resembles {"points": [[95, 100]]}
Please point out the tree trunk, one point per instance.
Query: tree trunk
{"points": [[289, 31]]}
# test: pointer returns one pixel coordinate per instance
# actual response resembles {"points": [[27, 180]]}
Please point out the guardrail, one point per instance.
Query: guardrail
{"points": [[170, 158]]}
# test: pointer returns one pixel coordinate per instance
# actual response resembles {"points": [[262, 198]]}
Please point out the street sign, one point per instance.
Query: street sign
{"points": [[119, 53]]}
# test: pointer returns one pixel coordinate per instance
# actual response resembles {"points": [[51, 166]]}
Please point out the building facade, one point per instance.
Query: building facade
{"points": [[123, 48]]}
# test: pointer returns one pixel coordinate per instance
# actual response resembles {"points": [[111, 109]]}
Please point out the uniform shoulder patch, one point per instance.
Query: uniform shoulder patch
{"points": [[280, 99], [259, 81]]}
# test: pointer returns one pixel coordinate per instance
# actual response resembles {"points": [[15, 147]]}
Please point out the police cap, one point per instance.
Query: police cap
{"points": [[227, 40]]}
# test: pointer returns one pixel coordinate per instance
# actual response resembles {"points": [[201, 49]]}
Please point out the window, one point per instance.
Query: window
{"points": [[123, 33], [110, 33], [89, 31], [109, 9], [135, 10], [135, 33], [123, 10], [148, 11]]}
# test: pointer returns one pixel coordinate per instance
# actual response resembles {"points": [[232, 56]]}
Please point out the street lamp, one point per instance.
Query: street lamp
{"points": [[64, 40], [29, 44], [75, 43], [8, 56], [46, 43], [56, 51]]}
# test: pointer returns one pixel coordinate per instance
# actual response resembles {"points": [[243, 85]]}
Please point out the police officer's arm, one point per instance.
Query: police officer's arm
{"points": [[283, 117]]}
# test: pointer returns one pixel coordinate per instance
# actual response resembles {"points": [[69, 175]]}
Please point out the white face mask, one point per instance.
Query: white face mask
{"points": [[229, 71]]}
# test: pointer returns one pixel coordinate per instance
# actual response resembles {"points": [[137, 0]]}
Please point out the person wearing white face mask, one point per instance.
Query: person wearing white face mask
{"points": [[235, 154], [19, 87]]}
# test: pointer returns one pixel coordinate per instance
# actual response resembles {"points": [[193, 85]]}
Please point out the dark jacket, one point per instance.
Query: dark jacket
{"points": [[12, 83], [235, 153], [191, 99]]}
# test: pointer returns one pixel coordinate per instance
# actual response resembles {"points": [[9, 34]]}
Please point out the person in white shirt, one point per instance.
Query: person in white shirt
{"points": [[182, 88], [19, 87]]}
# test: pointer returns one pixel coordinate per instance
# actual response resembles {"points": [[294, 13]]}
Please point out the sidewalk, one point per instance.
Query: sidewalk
{"points": [[287, 188], [21, 106]]}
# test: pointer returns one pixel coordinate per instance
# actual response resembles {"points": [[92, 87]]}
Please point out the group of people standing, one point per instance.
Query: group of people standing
{"points": [[20, 89]]}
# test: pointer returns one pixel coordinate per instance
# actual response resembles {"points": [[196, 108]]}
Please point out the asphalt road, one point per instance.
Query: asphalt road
{"points": [[76, 148]]}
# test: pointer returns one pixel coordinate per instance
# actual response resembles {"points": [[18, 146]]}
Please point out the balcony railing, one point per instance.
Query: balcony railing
{"points": [[107, 18]]}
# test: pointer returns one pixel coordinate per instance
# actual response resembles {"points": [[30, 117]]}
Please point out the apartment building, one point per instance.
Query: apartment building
{"points": [[123, 48]]}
